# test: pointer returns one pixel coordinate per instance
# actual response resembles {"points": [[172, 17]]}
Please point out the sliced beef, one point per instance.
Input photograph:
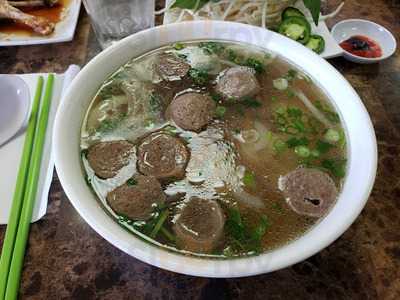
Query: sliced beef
{"points": [[107, 158], [199, 227], [171, 67], [163, 156], [309, 192], [137, 197], [191, 111], [237, 83]]}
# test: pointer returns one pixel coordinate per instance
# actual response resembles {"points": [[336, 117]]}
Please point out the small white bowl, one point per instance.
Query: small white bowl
{"points": [[14, 106], [348, 28]]}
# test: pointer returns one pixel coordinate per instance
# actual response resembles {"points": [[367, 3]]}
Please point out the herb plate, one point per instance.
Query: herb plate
{"points": [[332, 49]]}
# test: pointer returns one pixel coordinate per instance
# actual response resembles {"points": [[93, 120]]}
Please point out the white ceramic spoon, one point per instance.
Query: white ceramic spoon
{"points": [[14, 106]]}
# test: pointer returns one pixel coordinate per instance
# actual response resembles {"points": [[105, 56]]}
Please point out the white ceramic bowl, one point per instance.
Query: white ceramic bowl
{"points": [[348, 28], [362, 153]]}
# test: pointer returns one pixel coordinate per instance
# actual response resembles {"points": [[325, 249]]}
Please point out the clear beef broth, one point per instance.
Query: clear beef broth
{"points": [[243, 164]]}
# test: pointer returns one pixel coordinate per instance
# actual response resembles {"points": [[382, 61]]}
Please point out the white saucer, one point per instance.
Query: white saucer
{"points": [[14, 106], [348, 28]]}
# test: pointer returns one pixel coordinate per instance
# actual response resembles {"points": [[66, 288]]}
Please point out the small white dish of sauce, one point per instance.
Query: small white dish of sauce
{"points": [[364, 41], [15, 104]]}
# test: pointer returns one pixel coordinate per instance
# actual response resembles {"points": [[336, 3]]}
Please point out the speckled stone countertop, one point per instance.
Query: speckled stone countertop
{"points": [[66, 259]]}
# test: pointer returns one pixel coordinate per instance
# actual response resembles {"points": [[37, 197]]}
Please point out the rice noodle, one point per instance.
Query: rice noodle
{"points": [[264, 13], [247, 199], [313, 109]]}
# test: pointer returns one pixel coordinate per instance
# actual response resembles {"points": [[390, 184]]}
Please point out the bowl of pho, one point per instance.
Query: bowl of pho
{"points": [[214, 149]]}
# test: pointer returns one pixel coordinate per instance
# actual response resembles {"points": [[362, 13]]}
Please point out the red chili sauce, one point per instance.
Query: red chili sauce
{"points": [[362, 46]]}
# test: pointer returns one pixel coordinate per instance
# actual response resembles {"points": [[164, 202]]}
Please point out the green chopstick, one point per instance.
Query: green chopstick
{"points": [[17, 261], [13, 220]]}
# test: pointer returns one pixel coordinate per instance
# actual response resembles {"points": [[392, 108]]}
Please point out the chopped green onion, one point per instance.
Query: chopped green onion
{"points": [[302, 151], [167, 234], [161, 219], [332, 136], [280, 84], [279, 146], [249, 179], [315, 153], [220, 111]]}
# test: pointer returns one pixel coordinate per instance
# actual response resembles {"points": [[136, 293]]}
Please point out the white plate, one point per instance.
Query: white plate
{"points": [[332, 49], [63, 32]]}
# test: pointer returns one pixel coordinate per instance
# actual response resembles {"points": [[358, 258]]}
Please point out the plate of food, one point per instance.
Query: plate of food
{"points": [[30, 22], [300, 20]]}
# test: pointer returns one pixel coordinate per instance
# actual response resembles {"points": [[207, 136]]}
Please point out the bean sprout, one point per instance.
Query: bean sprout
{"points": [[264, 13]]}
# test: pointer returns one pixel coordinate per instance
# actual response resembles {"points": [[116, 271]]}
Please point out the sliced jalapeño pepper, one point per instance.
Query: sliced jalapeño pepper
{"points": [[316, 43], [291, 12], [296, 28]]}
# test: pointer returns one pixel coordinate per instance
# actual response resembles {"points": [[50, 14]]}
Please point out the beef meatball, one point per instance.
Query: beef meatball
{"points": [[309, 192], [107, 158], [137, 197], [199, 227], [191, 111], [163, 156], [237, 83], [171, 67]]}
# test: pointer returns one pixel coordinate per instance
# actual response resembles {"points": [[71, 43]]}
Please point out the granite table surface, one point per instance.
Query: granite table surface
{"points": [[66, 259]]}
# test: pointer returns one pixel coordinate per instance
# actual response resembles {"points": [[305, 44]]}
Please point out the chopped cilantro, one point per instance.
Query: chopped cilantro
{"points": [[335, 167], [131, 182], [199, 77], [216, 97], [323, 147], [155, 102], [84, 152], [294, 142], [291, 74], [250, 102], [241, 236], [220, 111], [255, 64], [211, 47]]}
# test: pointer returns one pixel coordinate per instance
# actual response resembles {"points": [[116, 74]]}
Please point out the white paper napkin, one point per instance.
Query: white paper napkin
{"points": [[10, 153]]}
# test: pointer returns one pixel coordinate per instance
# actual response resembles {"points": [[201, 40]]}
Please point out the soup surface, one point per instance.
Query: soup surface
{"points": [[213, 148]]}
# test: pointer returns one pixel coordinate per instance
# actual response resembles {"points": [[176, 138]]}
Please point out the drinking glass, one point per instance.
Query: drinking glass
{"points": [[113, 20]]}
